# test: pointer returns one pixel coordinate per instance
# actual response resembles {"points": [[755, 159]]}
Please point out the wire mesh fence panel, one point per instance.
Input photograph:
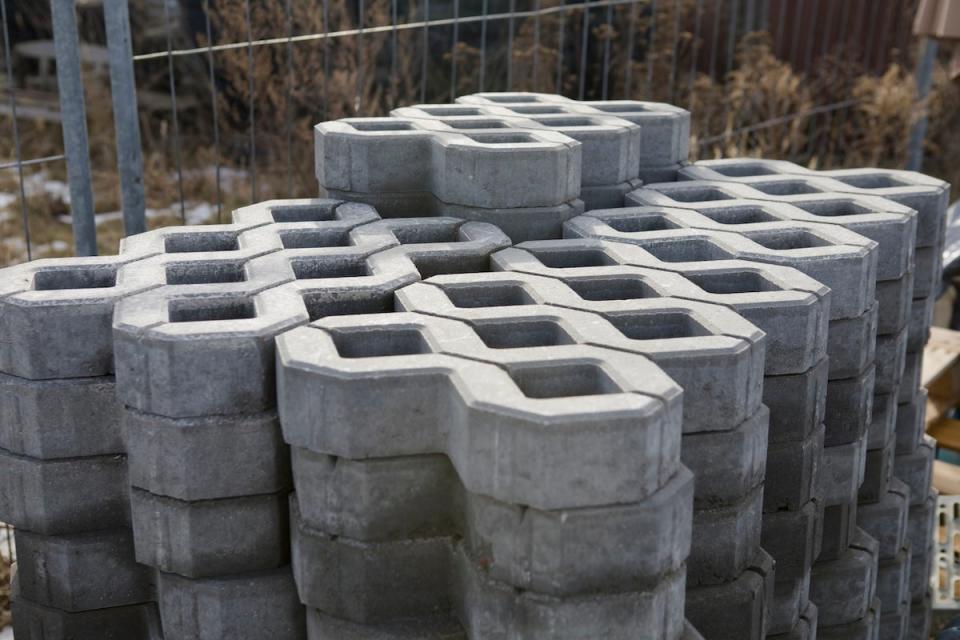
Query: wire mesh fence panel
{"points": [[228, 90]]}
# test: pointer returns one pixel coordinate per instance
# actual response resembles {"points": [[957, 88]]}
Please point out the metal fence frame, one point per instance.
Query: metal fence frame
{"points": [[745, 16]]}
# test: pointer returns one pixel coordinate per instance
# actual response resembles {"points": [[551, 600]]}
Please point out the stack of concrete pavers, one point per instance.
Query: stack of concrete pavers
{"points": [[901, 407], [62, 462], [210, 472], [664, 128], [527, 182], [448, 470], [792, 309]]}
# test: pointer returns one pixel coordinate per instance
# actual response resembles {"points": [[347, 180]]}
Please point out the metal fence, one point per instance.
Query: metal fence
{"points": [[399, 51]]}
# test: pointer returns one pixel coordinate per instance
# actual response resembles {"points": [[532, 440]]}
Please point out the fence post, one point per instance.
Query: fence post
{"points": [[123, 89], [74, 122], [918, 132]]}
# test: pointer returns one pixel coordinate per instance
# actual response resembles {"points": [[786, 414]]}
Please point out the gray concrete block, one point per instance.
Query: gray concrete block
{"points": [[883, 420], [836, 257], [690, 633], [606, 196], [912, 370], [56, 316], [839, 525], [851, 344], [246, 607], [444, 626], [927, 272], [665, 128], [894, 298], [877, 474], [664, 173], [734, 610], [792, 309], [82, 571], [927, 195], [756, 206], [865, 628], [494, 610], [921, 570], [32, 621], [791, 538], [725, 540], [921, 614], [69, 495], [896, 624], [210, 537], [843, 589], [66, 418], [727, 464], [488, 169], [793, 475], [886, 520], [391, 500], [797, 403], [192, 353], [891, 359], [804, 629], [893, 581], [915, 469], [911, 422], [790, 599], [921, 317], [627, 443], [518, 223], [610, 146], [920, 522], [206, 458], [699, 346], [849, 407], [328, 219], [843, 471]]}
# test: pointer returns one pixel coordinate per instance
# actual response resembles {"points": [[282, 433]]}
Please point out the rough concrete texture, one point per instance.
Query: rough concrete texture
{"points": [[791, 538], [793, 473], [804, 629], [893, 581], [632, 454], [61, 496], [725, 540], [839, 526], [928, 267], [399, 499], [921, 569], [915, 468], [740, 209], [790, 308], [665, 129], [910, 381], [64, 418], [840, 259], [248, 606], [849, 408], [895, 298], [895, 625], [865, 628], [700, 346], [208, 457], [737, 609], [883, 420], [797, 403], [56, 316], [921, 613], [82, 571], [886, 519], [927, 195], [843, 589], [843, 471], [910, 422], [790, 599], [891, 359], [878, 472], [33, 621], [208, 538], [920, 522]]}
